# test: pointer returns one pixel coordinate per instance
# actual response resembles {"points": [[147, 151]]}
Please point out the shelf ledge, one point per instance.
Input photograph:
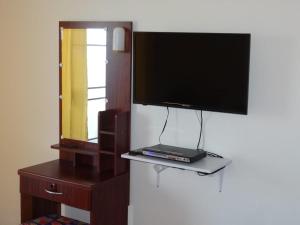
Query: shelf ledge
{"points": [[207, 166], [92, 152]]}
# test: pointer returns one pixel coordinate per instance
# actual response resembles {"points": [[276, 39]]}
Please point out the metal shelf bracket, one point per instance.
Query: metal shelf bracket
{"points": [[221, 178], [158, 169]]}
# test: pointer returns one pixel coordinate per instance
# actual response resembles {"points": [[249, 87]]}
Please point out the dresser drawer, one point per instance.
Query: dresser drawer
{"points": [[58, 191]]}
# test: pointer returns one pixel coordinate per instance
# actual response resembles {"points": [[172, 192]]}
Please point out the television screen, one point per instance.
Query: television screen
{"points": [[205, 71]]}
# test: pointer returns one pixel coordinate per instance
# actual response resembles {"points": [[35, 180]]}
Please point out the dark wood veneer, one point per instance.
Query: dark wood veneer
{"points": [[118, 70], [87, 175], [83, 151], [111, 202], [33, 207], [70, 194], [105, 196]]}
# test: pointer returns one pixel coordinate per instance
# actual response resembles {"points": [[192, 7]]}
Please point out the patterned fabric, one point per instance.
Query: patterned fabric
{"points": [[54, 220]]}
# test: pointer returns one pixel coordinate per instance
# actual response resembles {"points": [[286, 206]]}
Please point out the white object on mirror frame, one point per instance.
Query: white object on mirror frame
{"points": [[118, 39]]}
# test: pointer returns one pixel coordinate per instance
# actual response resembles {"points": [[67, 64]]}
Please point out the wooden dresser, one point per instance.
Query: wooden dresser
{"points": [[89, 174], [43, 187]]}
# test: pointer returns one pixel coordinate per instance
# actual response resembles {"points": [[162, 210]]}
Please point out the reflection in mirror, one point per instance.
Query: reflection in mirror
{"points": [[83, 82]]}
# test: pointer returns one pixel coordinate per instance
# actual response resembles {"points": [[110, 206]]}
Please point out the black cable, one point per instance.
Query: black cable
{"points": [[207, 174], [164, 125], [211, 154], [201, 127]]}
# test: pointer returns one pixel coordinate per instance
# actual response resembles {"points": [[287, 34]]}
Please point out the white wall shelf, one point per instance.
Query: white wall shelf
{"points": [[206, 166]]}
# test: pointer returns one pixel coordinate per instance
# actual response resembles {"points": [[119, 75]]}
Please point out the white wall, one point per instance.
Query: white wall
{"points": [[260, 187]]}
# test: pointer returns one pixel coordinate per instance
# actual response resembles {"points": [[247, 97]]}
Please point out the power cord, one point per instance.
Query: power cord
{"points": [[211, 154], [166, 121], [207, 174], [201, 127]]}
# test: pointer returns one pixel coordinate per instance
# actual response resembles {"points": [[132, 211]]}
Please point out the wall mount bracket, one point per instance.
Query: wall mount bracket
{"points": [[207, 166], [160, 168]]}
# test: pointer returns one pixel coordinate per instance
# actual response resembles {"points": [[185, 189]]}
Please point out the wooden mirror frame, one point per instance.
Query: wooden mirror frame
{"points": [[118, 80]]}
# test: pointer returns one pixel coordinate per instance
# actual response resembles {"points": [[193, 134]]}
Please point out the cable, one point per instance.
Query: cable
{"points": [[164, 125], [201, 127], [211, 154], [207, 174]]}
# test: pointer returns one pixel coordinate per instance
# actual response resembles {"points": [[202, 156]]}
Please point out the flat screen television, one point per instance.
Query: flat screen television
{"points": [[205, 71]]}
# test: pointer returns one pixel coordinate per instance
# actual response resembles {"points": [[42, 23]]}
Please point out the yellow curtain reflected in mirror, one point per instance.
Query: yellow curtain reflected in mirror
{"points": [[74, 84]]}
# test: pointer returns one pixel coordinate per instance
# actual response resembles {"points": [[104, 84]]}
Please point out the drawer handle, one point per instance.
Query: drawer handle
{"points": [[53, 192]]}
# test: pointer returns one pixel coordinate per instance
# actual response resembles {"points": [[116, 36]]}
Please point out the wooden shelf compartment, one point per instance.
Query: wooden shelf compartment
{"points": [[104, 152], [107, 142], [106, 163], [83, 151], [107, 120], [113, 139]]}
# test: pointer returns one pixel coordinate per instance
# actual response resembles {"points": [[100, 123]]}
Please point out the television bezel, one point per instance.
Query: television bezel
{"points": [[185, 106]]}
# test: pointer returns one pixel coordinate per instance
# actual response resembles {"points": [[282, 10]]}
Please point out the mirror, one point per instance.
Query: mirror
{"points": [[95, 75], [83, 81]]}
